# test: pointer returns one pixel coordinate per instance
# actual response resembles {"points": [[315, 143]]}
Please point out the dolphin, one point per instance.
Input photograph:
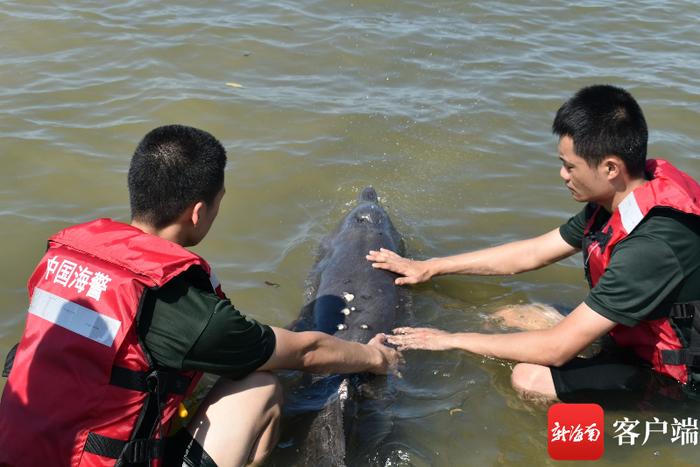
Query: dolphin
{"points": [[347, 297]]}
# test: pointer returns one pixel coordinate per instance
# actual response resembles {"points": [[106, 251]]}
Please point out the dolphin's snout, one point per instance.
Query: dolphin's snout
{"points": [[368, 194]]}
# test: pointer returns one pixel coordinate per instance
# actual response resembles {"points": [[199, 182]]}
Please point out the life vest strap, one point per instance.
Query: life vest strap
{"points": [[169, 382], [689, 312], [684, 310], [133, 452], [9, 361], [681, 357]]}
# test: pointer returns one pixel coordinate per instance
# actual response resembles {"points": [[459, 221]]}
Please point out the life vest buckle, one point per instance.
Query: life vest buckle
{"points": [[153, 381], [683, 311]]}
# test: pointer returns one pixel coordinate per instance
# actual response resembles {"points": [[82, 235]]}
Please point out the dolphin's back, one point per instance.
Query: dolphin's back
{"points": [[349, 298], [352, 299]]}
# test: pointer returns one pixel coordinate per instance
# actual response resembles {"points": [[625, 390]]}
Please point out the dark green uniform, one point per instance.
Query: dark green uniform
{"points": [[186, 326], [657, 265]]}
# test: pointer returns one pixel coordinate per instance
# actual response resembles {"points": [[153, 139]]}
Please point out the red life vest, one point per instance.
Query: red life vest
{"points": [[81, 379], [655, 341]]}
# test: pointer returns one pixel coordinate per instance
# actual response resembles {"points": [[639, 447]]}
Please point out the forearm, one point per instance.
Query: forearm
{"points": [[318, 352], [328, 354], [510, 258], [529, 347], [551, 347]]}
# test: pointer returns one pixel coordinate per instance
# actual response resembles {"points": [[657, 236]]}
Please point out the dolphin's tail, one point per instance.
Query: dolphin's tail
{"points": [[368, 194]]}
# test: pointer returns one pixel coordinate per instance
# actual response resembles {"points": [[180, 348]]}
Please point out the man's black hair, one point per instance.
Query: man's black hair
{"points": [[604, 120], [173, 167]]}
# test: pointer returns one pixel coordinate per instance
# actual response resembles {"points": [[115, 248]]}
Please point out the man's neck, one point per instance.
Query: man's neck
{"points": [[172, 232], [622, 194]]}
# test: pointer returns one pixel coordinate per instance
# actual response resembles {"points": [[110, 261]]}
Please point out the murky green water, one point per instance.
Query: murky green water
{"points": [[444, 107]]}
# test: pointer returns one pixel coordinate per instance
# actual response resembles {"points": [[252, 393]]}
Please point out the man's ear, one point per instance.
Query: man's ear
{"points": [[198, 212], [612, 167]]}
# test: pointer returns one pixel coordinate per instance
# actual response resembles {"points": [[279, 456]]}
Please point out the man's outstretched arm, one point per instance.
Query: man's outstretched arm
{"points": [[550, 347], [510, 258], [318, 352]]}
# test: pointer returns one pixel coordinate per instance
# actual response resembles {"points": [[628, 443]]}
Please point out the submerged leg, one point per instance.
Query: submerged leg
{"points": [[533, 382], [530, 317], [238, 422]]}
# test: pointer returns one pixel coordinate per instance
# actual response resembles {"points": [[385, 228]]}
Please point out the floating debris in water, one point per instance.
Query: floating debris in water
{"points": [[348, 297], [454, 411], [341, 326], [364, 326], [352, 308], [345, 311], [272, 284], [234, 85]]}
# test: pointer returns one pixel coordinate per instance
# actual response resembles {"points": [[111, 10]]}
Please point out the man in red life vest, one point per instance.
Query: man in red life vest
{"points": [[640, 237], [123, 319]]}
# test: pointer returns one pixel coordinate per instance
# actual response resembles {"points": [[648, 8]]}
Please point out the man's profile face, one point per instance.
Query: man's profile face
{"points": [[585, 183]]}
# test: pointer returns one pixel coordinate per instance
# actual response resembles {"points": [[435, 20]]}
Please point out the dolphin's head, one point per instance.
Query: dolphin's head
{"points": [[368, 213], [368, 220]]}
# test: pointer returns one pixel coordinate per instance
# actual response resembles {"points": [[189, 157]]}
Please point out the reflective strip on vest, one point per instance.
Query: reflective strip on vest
{"points": [[73, 317], [630, 214]]}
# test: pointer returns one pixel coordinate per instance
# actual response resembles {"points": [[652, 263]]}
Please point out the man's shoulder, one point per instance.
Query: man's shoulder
{"points": [[673, 218], [664, 236], [193, 277], [670, 226]]}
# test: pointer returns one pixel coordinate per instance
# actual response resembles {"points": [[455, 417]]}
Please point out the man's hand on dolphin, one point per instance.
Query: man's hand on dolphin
{"points": [[391, 358], [413, 271], [420, 339]]}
